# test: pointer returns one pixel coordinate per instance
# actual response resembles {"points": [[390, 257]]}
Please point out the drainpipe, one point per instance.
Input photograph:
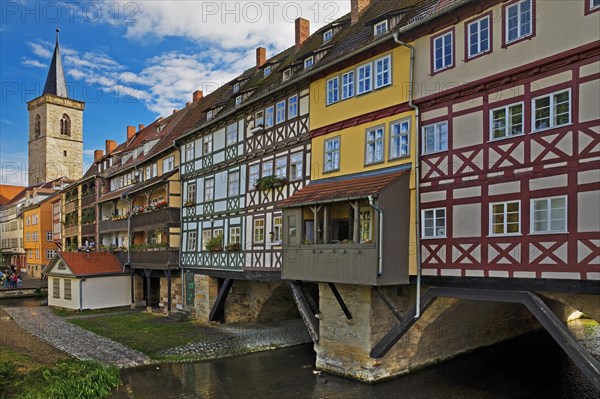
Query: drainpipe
{"points": [[81, 294], [380, 238], [417, 168]]}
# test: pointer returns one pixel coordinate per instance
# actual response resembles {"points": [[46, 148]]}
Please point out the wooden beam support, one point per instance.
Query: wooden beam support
{"points": [[309, 298], [389, 303], [218, 310], [355, 224], [310, 320], [340, 300]]}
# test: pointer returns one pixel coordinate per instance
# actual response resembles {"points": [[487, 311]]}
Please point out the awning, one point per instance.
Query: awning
{"points": [[345, 188]]}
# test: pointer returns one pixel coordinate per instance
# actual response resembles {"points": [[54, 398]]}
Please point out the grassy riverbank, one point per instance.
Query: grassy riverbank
{"points": [[144, 332]]}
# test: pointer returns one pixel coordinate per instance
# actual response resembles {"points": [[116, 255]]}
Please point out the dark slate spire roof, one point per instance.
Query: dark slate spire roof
{"points": [[55, 82]]}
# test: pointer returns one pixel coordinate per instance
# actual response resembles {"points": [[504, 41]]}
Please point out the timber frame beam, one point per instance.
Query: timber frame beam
{"points": [[218, 310]]}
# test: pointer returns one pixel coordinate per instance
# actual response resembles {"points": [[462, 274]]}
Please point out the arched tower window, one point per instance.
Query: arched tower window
{"points": [[37, 128], [65, 125]]}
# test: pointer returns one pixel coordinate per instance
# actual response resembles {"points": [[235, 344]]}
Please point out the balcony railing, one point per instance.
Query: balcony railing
{"points": [[87, 201], [107, 226], [335, 263], [164, 217], [71, 231], [88, 230], [161, 259], [71, 206], [221, 260]]}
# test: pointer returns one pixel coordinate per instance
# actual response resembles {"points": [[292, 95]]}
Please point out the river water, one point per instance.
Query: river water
{"points": [[533, 366]]}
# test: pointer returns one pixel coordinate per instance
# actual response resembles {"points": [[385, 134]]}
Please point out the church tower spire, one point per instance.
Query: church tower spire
{"points": [[55, 82]]}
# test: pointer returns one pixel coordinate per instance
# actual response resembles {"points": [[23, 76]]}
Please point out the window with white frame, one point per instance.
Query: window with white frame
{"points": [[519, 20], [594, 4], [209, 115], [259, 119], [238, 100], [235, 235], [269, 117], [267, 71], [374, 145], [209, 190], [287, 74], [549, 215], [443, 52], [328, 35], [505, 218], [478, 39], [365, 224], [27, 237], [277, 229], [207, 235], [233, 184], [192, 239], [281, 167], [399, 138], [35, 236], [50, 253], [333, 91], [280, 112], [383, 72], [189, 154], [169, 164], [267, 169], [332, 154], [34, 219], [236, 87], [380, 28], [49, 236], [348, 85], [27, 221], [259, 230], [507, 121], [293, 107], [433, 223], [552, 110], [296, 163], [67, 289], [191, 193], [232, 134], [364, 78], [435, 137], [253, 174], [308, 63], [207, 144], [37, 253]]}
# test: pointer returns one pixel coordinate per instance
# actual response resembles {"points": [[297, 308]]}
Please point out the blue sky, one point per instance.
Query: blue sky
{"points": [[132, 61]]}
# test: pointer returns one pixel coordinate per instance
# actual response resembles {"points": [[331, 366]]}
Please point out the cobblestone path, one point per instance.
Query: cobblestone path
{"points": [[79, 343]]}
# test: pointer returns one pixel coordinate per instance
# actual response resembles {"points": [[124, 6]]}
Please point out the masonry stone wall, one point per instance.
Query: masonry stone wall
{"points": [[176, 296], [258, 301], [206, 289]]}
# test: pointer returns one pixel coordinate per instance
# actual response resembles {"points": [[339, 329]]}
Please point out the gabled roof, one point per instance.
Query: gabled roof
{"points": [[86, 263], [55, 82], [7, 193], [344, 188]]}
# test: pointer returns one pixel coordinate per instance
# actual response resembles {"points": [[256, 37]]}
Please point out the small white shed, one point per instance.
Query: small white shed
{"points": [[87, 280]]}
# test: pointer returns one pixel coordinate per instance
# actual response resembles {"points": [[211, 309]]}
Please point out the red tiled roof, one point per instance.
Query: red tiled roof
{"points": [[113, 194], [7, 193], [91, 263], [343, 188]]}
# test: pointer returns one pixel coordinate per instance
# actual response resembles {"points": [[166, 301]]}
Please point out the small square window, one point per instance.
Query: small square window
{"points": [[267, 71], [236, 87], [380, 28], [287, 74], [443, 51], [308, 63], [433, 223], [518, 21], [327, 36]]}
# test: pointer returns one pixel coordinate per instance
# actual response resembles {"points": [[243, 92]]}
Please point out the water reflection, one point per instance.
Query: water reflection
{"points": [[529, 367]]}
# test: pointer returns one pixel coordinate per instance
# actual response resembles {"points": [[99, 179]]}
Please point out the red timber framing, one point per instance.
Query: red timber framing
{"points": [[547, 163]]}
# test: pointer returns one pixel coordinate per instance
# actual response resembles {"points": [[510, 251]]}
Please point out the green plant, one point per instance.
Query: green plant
{"points": [[268, 182], [8, 374], [233, 246], [215, 243]]}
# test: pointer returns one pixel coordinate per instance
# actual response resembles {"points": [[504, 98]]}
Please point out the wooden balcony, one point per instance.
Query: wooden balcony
{"points": [[71, 206], [71, 231], [87, 201], [333, 263], [161, 259], [88, 230], [165, 217], [107, 226], [221, 260]]}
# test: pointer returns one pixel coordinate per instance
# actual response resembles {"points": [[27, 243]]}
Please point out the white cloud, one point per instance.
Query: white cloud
{"points": [[33, 63], [41, 49]]}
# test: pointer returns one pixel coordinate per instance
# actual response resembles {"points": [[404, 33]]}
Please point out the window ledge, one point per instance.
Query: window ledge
{"points": [[551, 128], [434, 152], [504, 235], [434, 238], [547, 233], [492, 140]]}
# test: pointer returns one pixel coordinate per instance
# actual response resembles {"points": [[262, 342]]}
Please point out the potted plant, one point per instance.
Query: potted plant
{"points": [[215, 244], [233, 247], [189, 203], [268, 182]]}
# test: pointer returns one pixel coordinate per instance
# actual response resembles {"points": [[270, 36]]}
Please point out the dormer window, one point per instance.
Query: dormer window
{"points": [[236, 87], [238, 100], [209, 115], [328, 35], [308, 63], [267, 71], [380, 28], [287, 74], [259, 119]]}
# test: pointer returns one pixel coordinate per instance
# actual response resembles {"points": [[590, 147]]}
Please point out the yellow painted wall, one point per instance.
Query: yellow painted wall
{"points": [[322, 115]]}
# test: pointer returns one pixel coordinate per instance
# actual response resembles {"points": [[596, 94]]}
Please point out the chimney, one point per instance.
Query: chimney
{"points": [[141, 127], [110, 146], [261, 56], [357, 8], [197, 96], [130, 132], [98, 154], [302, 31]]}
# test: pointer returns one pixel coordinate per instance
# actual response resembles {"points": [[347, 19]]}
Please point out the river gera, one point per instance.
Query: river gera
{"points": [[532, 366]]}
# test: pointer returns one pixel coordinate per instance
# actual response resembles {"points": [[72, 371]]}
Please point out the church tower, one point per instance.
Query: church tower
{"points": [[55, 129]]}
